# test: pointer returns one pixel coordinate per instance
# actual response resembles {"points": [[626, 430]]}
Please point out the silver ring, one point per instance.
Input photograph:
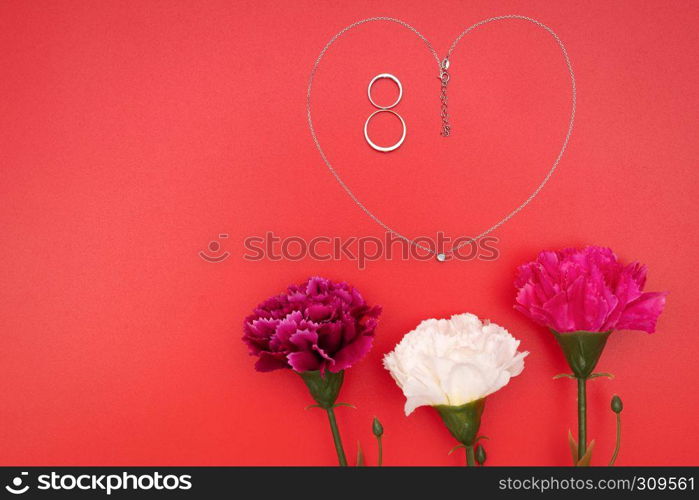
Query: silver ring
{"points": [[376, 146], [390, 77]]}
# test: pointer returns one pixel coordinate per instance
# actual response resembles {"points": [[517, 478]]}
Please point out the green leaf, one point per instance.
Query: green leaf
{"points": [[344, 404], [563, 375], [608, 375], [573, 447], [455, 448], [360, 455], [585, 460], [312, 406]]}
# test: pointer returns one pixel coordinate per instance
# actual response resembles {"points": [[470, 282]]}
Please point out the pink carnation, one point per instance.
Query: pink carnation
{"points": [[318, 325], [586, 289]]}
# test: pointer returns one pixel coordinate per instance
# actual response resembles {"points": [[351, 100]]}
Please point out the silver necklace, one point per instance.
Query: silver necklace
{"points": [[446, 127]]}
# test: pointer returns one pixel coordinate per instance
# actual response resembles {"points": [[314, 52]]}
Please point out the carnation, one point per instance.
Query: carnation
{"points": [[453, 361], [317, 325], [586, 289]]}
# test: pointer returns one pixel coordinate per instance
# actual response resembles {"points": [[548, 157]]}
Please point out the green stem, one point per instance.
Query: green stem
{"points": [[618, 439], [378, 438], [470, 456], [582, 417], [336, 438]]}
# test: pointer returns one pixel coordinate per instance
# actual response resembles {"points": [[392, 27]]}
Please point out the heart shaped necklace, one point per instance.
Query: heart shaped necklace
{"points": [[443, 66]]}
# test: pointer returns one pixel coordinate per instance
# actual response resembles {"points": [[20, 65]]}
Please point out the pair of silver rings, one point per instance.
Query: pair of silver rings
{"points": [[384, 109]]}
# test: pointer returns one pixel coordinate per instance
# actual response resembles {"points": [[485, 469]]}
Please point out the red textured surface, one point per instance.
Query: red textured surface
{"points": [[133, 133]]}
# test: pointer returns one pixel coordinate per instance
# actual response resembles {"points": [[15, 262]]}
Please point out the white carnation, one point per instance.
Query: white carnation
{"points": [[453, 361]]}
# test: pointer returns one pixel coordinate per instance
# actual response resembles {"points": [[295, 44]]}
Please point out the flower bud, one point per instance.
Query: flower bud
{"points": [[377, 428], [617, 404], [480, 454]]}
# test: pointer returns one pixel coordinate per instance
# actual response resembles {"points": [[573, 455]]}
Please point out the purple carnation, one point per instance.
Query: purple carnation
{"points": [[318, 325]]}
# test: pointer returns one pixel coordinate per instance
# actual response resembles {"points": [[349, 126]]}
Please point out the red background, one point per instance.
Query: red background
{"points": [[133, 133]]}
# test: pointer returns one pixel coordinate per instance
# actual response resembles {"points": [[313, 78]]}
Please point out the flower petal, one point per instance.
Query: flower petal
{"points": [[304, 361], [643, 313], [269, 361], [349, 354]]}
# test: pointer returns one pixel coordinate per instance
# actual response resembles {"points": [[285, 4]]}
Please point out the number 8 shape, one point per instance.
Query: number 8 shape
{"points": [[384, 109]]}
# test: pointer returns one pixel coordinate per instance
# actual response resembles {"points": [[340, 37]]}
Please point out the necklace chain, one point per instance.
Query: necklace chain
{"points": [[444, 79], [446, 127]]}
